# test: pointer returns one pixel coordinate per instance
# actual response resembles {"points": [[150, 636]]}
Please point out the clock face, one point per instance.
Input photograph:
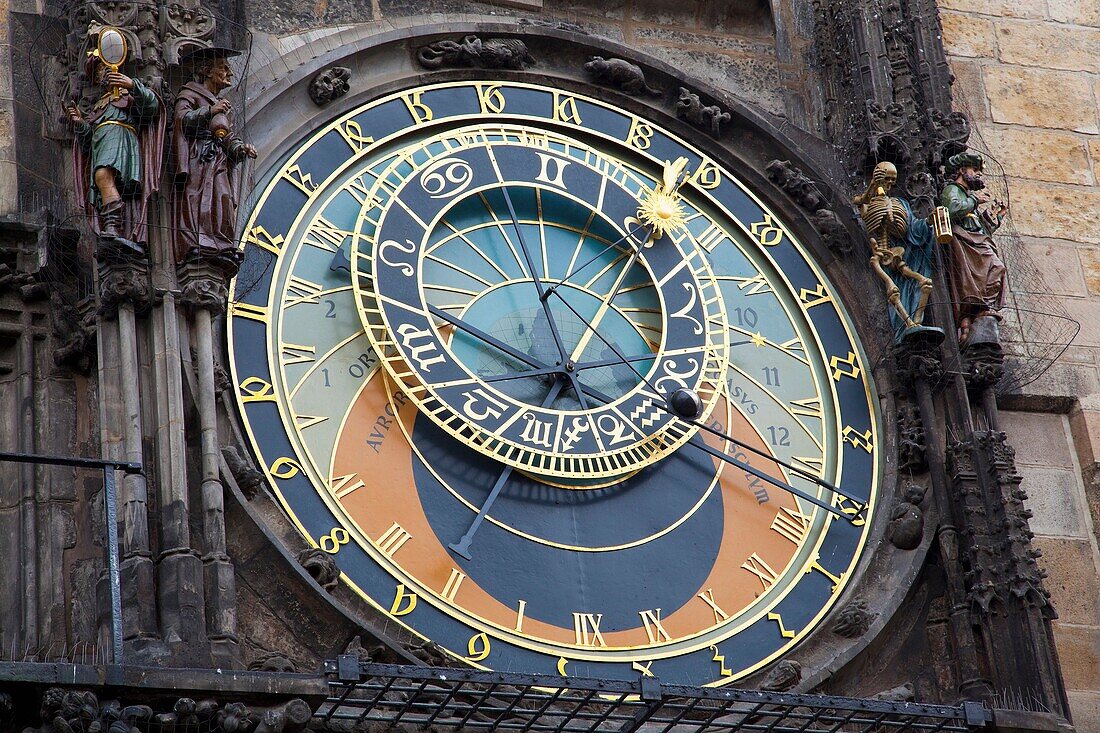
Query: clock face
{"points": [[454, 342]]}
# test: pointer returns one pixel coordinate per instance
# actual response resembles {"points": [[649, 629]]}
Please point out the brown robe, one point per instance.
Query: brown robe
{"points": [[204, 210], [978, 276]]}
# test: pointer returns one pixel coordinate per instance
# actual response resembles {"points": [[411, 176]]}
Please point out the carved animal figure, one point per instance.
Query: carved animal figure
{"points": [[906, 528], [691, 108], [620, 74], [888, 220], [330, 84], [493, 53]]}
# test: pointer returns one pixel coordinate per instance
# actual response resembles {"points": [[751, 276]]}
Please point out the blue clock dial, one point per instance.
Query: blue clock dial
{"points": [[455, 338]]}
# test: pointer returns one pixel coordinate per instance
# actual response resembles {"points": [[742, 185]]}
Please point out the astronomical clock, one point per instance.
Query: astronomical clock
{"points": [[554, 384]]}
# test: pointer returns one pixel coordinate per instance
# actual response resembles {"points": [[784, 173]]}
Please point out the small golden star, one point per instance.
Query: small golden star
{"points": [[758, 340]]}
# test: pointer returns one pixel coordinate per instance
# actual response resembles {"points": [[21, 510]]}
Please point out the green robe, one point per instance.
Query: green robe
{"points": [[114, 146]]}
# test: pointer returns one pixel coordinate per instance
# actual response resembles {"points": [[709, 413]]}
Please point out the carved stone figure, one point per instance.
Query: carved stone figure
{"points": [[206, 151], [906, 528], [977, 275], [853, 620], [782, 676], [795, 183], [620, 74], [330, 84], [492, 53], [117, 158], [902, 244], [321, 566], [691, 108]]}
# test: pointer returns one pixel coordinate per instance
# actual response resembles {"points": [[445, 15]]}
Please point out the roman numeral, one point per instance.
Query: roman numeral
{"points": [[792, 524], [247, 310], [450, 590], [811, 407], [298, 354], [710, 238], [707, 597], [302, 291], [308, 421], [756, 565], [392, 540], [325, 235], [341, 486], [653, 628], [586, 627]]}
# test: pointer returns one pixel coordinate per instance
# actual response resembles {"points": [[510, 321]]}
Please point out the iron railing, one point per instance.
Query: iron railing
{"points": [[362, 696]]}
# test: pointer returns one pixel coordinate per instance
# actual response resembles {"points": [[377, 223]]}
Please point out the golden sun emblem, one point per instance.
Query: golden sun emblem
{"points": [[661, 211]]}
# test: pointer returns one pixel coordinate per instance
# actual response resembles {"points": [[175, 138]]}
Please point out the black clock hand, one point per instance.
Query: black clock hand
{"points": [[462, 547], [628, 237], [578, 368], [782, 485]]}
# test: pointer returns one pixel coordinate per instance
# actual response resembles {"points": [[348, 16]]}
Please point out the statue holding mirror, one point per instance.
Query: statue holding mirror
{"points": [[118, 150]]}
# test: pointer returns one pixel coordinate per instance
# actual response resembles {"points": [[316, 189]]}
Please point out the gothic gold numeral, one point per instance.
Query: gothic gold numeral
{"points": [[478, 647], [255, 389], [562, 662], [791, 524], [721, 659], [815, 564], [758, 567], [767, 232], [420, 112], [403, 602], [301, 179], [643, 669], [263, 239], [783, 630], [392, 540], [586, 628], [640, 135], [284, 468], [565, 109], [707, 176], [707, 597], [492, 408], [862, 440], [651, 619], [850, 509], [334, 540], [755, 285], [817, 296], [490, 98], [850, 366], [454, 582], [352, 132], [341, 486]]}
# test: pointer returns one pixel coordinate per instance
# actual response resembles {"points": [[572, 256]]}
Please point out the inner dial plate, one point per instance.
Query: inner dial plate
{"points": [[469, 229], [688, 568]]}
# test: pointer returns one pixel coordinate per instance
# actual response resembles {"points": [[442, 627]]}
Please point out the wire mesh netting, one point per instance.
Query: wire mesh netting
{"points": [[402, 697]]}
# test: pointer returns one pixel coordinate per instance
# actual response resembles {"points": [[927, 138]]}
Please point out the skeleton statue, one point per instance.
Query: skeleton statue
{"points": [[901, 248]]}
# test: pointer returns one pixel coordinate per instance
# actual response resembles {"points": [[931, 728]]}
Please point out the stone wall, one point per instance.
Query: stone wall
{"points": [[1028, 73]]}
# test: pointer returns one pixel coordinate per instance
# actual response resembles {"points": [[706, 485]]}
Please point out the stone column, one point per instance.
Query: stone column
{"points": [[124, 291], [204, 292]]}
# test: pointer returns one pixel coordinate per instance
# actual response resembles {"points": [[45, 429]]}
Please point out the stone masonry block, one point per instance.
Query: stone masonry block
{"points": [[1080, 12], [1073, 583], [1090, 265], [1057, 499], [1023, 95], [1060, 266], [1079, 652], [1094, 156], [1085, 426], [967, 35], [968, 91], [1046, 155], [1084, 311], [1000, 8], [1084, 705], [1050, 45], [1055, 211], [1039, 438]]}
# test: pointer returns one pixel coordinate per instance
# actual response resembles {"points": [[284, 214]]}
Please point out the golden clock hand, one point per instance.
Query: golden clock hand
{"points": [[602, 310], [462, 547]]}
